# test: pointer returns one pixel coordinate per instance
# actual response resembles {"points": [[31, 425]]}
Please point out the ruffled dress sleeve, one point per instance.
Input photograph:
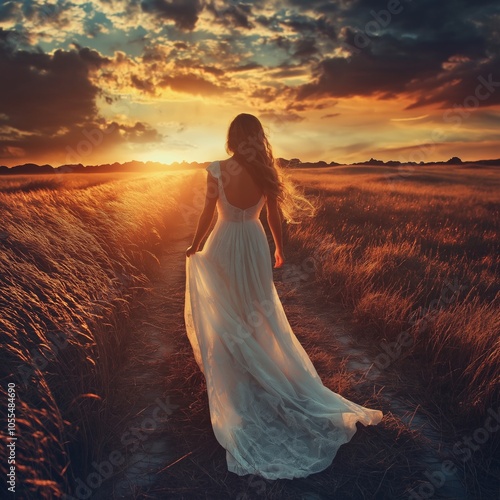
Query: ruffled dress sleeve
{"points": [[214, 169]]}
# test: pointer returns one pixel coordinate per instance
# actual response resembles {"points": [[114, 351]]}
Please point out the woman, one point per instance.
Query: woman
{"points": [[268, 406]]}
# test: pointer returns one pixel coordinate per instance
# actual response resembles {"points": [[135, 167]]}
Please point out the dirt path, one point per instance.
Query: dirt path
{"points": [[145, 404]]}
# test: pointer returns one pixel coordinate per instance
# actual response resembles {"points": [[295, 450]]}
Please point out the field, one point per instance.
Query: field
{"points": [[393, 289], [75, 253], [417, 252]]}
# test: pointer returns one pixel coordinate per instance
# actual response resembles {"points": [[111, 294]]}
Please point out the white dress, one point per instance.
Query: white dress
{"points": [[268, 406]]}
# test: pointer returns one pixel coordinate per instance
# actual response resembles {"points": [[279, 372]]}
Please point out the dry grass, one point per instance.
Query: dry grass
{"points": [[416, 261], [74, 259], [27, 183], [75, 254]]}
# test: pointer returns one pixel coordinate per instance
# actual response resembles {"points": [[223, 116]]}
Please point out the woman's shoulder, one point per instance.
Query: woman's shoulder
{"points": [[217, 166]]}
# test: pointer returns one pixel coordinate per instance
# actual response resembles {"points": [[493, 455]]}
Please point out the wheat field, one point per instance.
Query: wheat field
{"points": [[411, 255], [75, 254], [416, 251]]}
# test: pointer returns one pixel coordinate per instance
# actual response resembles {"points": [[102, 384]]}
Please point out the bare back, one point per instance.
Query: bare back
{"points": [[239, 187]]}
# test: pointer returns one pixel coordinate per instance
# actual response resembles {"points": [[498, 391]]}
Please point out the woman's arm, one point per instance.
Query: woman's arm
{"points": [[206, 215], [274, 221]]}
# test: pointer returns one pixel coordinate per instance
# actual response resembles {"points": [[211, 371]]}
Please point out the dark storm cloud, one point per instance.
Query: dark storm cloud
{"points": [[409, 51], [234, 15], [8, 11], [48, 101], [39, 91], [308, 33], [76, 145], [422, 16], [311, 26], [470, 84], [183, 12], [305, 49], [385, 72]]}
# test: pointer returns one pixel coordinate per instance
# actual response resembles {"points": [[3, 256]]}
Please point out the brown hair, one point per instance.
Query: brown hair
{"points": [[251, 149]]}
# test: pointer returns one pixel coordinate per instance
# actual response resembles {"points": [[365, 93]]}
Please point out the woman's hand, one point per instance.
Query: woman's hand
{"points": [[191, 250], [279, 257]]}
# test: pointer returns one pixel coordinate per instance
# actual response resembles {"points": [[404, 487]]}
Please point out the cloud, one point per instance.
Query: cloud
{"points": [[392, 66], [45, 92], [192, 84], [139, 132], [275, 94], [48, 102], [409, 119], [78, 143], [285, 71], [9, 11], [184, 13], [64, 62], [469, 85], [363, 74], [250, 66], [146, 86], [234, 16], [280, 117], [410, 53], [305, 49], [308, 25]]}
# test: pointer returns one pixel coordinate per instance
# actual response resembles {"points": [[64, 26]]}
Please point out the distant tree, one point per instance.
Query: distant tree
{"points": [[373, 161]]}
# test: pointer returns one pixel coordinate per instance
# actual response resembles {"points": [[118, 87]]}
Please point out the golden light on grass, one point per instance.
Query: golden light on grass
{"points": [[75, 252], [417, 250], [392, 251]]}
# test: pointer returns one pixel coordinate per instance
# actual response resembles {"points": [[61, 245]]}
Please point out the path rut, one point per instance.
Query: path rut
{"points": [[143, 440]]}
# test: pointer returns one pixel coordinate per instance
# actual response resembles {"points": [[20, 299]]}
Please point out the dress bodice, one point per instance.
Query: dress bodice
{"points": [[229, 212]]}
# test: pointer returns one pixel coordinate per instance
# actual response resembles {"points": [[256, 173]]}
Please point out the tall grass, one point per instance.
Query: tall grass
{"points": [[27, 183], [415, 259], [73, 259]]}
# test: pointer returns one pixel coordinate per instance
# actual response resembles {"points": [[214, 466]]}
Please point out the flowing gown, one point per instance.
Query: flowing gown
{"points": [[268, 407]]}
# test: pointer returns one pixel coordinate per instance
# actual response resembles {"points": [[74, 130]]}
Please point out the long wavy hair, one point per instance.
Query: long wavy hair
{"points": [[248, 143]]}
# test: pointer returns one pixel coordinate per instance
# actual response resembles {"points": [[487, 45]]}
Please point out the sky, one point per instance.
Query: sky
{"points": [[160, 80]]}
